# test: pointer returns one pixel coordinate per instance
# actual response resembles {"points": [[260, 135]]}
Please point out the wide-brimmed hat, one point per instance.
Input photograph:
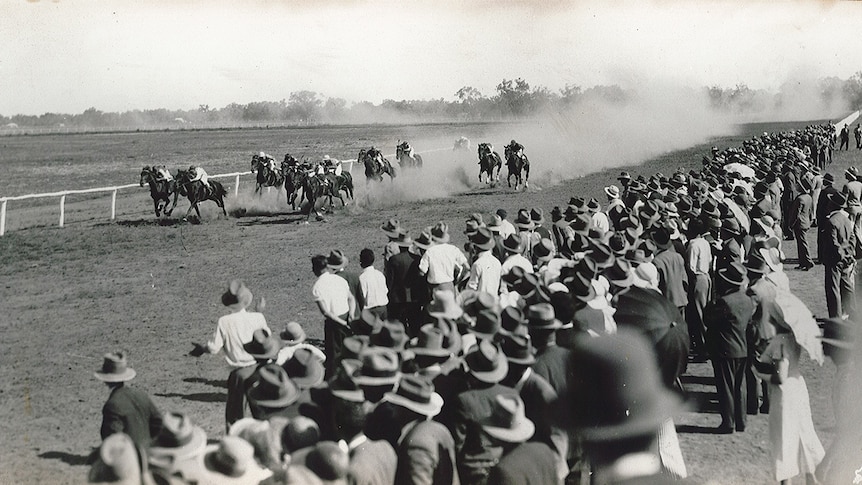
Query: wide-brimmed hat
{"points": [[391, 335], [304, 369], [523, 220], [274, 389], [512, 321], [444, 305], [646, 276], [541, 317], [237, 296], [537, 216], [367, 323], [232, 461], [636, 257], [352, 346], [416, 393], [119, 461], [840, 333], [828, 178], [471, 227], [593, 205], [517, 349], [581, 223], [507, 421], [620, 273], [293, 334], [756, 264], [336, 260], [619, 394], [326, 460], [612, 191], [580, 287], [486, 324], [544, 250], [479, 301], [262, 345], [618, 243], [624, 176], [600, 253], [772, 257], [731, 226], [513, 244], [342, 386], [837, 199], [486, 362], [440, 233], [483, 239], [733, 274], [115, 368], [392, 228], [404, 240], [661, 236], [177, 440], [429, 343], [378, 366]]}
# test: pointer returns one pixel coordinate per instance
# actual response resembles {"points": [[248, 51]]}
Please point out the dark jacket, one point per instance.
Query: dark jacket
{"points": [[727, 318], [426, 455], [801, 212], [672, 277], [530, 463], [405, 283], [837, 239], [132, 412]]}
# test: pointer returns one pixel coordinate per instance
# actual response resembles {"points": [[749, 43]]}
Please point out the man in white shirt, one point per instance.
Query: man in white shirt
{"points": [[236, 329], [372, 283], [337, 305], [506, 227], [514, 247], [698, 260], [443, 264], [485, 271]]}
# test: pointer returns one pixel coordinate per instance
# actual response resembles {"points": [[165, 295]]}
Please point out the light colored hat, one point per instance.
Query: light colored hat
{"points": [[237, 296], [612, 191], [336, 260], [115, 368], [178, 439], [416, 393], [119, 461], [444, 305], [508, 421], [232, 462]]}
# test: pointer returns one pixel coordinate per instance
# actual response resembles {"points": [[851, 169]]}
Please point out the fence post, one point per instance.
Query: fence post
{"points": [[62, 209], [114, 204], [3, 217], [236, 187]]}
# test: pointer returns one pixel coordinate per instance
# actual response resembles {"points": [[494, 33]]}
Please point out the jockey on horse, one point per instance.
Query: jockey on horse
{"points": [[198, 173], [267, 161], [516, 148], [375, 155], [163, 174]]}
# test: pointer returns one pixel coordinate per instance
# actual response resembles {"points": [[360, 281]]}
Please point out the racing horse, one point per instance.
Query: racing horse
{"points": [[266, 177], [197, 192], [328, 185], [488, 160], [517, 163], [294, 178], [406, 157], [160, 190], [375, 165], [461, 144]]}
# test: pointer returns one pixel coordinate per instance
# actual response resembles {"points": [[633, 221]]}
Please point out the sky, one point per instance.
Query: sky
{"points": [[69, 55]]}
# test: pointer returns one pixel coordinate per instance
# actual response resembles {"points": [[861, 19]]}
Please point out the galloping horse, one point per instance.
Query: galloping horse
{"points": [[406, 157], [461, 144], [266, 177], [516, 163], [197, 192], [488, 160], [160, 189], [294, 178], [375, 165]]}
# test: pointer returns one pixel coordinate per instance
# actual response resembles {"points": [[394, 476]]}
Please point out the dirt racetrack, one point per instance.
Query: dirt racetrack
{"points": [[152, 287]]}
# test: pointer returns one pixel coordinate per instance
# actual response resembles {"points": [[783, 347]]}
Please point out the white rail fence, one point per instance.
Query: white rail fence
{"points": [[113, 190]]}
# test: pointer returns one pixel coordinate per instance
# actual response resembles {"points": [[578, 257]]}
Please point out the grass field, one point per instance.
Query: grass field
{"points": [[152, 287]]}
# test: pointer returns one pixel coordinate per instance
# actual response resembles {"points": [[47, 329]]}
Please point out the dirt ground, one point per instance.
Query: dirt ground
{"points": [[152, 287]]}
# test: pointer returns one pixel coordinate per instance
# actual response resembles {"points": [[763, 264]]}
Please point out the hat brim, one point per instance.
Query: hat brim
{"points": [[525, 225], [394, 232], [124, 376], [523, 430], [444, 239], [647, 422], [273, 403], [422, 245], [493, 376], [312, 379], [487, 246], [521, 360], [611, 193], [376, 381], [302, 338], [429, 409], [517, 249], [253, 474], [164, 457], [555, 324]]}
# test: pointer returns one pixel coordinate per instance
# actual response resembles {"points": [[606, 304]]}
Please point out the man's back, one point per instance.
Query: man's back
{"points": [[132, 412], [672, 276], [426, 455], [531, 463]]}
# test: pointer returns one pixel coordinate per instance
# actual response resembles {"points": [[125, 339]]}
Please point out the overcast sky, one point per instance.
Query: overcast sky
{"points": [[69, 55]]}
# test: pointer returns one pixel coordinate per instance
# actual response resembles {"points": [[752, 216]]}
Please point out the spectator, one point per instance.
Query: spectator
{"points": [[235, 329], [336, 304], [372, 284], [129, 411]]}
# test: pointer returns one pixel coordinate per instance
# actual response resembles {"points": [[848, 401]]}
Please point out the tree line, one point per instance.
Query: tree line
{"points": [[511, 99]]}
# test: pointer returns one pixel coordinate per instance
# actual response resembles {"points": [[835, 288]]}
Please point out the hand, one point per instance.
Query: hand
{"points": [[198, 350]]}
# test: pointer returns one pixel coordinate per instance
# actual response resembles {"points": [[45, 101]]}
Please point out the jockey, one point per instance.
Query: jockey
{"points": [[163, 174], [268, 160], [408, 150], [198, 173], [375, 155], [516, 148]]}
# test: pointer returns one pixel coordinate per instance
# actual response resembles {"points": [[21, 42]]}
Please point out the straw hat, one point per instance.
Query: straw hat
{"points": [[513, 244], [379, 366], [483, 239], [274, 389], [507, 421], [517, 349], [392, 228], [523, 220], [541, 316], [612, 191], [487, 363], [263, 346], [293, 334], [444, 305], [232, 462], [115, 368], [304, 369], [486, 325], [237, 296], [177, 440], [416, 393], [119, 461], [429, 343], [423, 241]]}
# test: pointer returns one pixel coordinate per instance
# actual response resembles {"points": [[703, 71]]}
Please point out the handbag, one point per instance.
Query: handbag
{"points": [[772, 370]]}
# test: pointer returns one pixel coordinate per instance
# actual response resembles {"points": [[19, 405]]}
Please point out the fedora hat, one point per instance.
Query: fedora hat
{"points": [[733, 274], [636, 257], [391, 335], [378, 366], [646, 276], [115, 368], [661, 236], [367, 323], [556, 214], [618, 243], [486, 325], [544, 250], [444, 305], [403, 240], [328, 461], [593, 205], [479, 301], [392, 228], [507, 421], [756, 264], [513, 276], [581, 223], [620, 274], [828, 178], [472, 227], [512, 321], [840, 333], [119, 461], [537, 216], [600, 253], [237, 296], [513, 244], [731, 226], [486, 362], [478, 218], [262, 345], [541, 317], [523, 220], [483, 239], [293, 334], [517, 349], [581, 287], [304, 369], [342, 386], [416, 393], [451, 337], [612, 191], [772, 257], [336, 260], [300, 432], [232, 461], [621, 394], [440, 233], [429, 343], [274, 389], [624, 176], [424, 240], [177, 440], [352, 346]]}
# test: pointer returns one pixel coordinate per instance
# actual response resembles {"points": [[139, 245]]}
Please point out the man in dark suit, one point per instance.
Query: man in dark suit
{"points": [[799, 221], [822, 211], [672, 277], [406, 286], [128, 410], [838, 259], [727, 318]]}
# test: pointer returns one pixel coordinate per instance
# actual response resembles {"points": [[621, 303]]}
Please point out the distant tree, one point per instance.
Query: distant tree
{"points": [[304, 106], [570, 94], [853, 90], [513, 97]]}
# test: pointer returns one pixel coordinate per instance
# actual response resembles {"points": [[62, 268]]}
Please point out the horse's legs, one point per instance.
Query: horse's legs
{"points": [[156, 206], [168, 212], [527, 176]]}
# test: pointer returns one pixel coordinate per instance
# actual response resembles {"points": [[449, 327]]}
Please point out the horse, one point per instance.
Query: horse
{"points": [[294, 178], [316, 186], [160, 190], [375, 166], [405, 159], [266, 177], [461, 144], [516, 163], [197, 192], [488, 160]]}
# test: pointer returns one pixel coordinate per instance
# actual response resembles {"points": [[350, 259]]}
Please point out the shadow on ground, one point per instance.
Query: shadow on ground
{"points": [[68, 458], [197, 396], [209, 382]]}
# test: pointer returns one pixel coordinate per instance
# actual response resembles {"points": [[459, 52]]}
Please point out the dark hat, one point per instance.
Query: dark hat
{"points": [[620, 273], [637, 256], [115, 368], [274, 389], [486, 326], [423, 241], [483, 239], [512, 321], [828, 178], [292, 334], [733, 274], [416, 393], [601, 254], [472, 228], [624, 176], [367, 323], [593, 205], [440, 233], [326, 460], [661, 237], [537, 216], [502, 213], [541, 317], [263, 346], [378, 366], [581, 223], [618, 243], [731, 226], [232, 460], [513, 276], [523, 220], [486, 362], [237, 296], [304, 368], [508, 421], [517, 349], [513, 244], [621, 395], [390, 335], [756, 264], [543, 250], [336, 260], [404, 240]]}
